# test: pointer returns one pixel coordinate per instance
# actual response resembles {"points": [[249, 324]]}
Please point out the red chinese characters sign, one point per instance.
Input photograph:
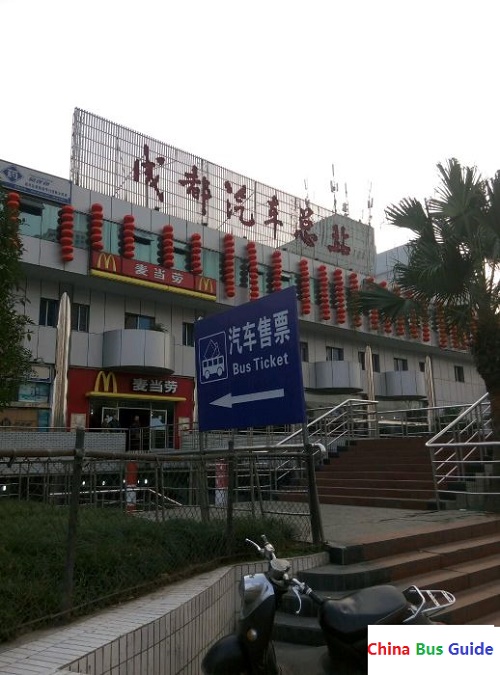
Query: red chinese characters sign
{"points": [[170, 279]]}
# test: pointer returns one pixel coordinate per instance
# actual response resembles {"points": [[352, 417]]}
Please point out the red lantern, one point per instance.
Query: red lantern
{"points": [[252, 270], [167, 246], [96, 221], [338, 287], [324, 300], [229, 274], [196, 267], [13, 203], [128, 241], [66, 223], [305, 288], [276, 271]]}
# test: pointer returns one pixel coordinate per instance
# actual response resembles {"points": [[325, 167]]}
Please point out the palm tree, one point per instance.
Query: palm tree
{"points": [[452, 267]]}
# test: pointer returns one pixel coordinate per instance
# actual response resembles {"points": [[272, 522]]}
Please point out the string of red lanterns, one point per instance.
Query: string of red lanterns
{"points": [[400, 321], [167, 246], [305, 287], [128, 241], [277, 270], [195, 254], [96, 222], [339, 292], [229, 273], [387, 322], [441, 327], [357, 320], [373, 314], [252, 270], [324, 300], [66, 224]]}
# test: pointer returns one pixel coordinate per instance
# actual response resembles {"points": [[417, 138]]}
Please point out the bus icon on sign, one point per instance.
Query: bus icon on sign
{"points": [[213, 358]]}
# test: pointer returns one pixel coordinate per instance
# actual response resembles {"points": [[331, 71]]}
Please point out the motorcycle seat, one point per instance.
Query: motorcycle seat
{"points": [[354, 612]]}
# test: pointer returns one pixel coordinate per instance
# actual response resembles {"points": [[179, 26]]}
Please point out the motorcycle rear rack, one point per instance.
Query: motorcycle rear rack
{"points": [[426, 601]]}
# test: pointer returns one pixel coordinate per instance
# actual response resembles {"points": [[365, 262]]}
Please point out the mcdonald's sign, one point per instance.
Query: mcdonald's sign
{"points": [[107, 381], [105, 261], [205, 285]]}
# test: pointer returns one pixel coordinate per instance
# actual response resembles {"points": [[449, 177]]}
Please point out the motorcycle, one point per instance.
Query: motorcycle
{"points": [[344, 622]]}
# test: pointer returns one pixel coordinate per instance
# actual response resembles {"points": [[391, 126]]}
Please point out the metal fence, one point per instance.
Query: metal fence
{"points": [[73, 507]]}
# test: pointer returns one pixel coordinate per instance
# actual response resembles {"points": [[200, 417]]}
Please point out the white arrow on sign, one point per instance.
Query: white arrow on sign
{"points": [[228, 400]]}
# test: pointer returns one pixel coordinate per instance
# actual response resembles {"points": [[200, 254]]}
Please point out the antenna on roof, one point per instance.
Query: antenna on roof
{"points": [[334, 188], [306, 188], [345, 205], [370, 204]]}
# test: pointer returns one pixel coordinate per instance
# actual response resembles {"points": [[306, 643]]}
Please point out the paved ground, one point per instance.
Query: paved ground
{"points": [[359, 524]]}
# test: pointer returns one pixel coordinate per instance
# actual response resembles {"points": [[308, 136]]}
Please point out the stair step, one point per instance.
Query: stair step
{"points": [[334, 577], [473, 603], [394, 492], [376, 483], [386, 502], [304, 630]]}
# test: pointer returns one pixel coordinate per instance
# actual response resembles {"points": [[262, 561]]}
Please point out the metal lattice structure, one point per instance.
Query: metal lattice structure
{"points": [[125, 164]]}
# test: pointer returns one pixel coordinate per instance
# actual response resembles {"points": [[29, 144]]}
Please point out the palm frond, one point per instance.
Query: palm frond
{"points": [[410, 214]]}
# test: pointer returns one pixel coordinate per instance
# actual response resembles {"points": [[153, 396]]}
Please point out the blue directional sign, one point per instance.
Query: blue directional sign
{"points": [[248, 366]]}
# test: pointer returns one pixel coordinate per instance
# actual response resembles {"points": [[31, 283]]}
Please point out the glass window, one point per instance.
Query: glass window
{"points": [[138, 321], [400, 364], [81, 229], [31, 219], [376, 363], [459, 374], [188, 334], [421, 366], [50, 216], [211, 263], [180, 256], [111, 237], [49, 309], [361, 360], [334, 354], [146, 246], [304, 351], [80, 317]]}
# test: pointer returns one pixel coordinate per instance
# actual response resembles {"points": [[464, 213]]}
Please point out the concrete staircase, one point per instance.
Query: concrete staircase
{"points": [[390, 472], [461, 558]]}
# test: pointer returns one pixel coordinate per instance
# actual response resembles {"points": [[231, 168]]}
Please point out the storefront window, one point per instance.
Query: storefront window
{"points": [[146, 246]]}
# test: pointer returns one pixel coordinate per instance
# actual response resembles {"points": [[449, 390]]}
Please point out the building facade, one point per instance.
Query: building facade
{"points": [[147, 245]]}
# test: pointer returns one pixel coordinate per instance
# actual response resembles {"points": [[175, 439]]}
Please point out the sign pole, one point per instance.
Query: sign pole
{"points": [[316, 524]]}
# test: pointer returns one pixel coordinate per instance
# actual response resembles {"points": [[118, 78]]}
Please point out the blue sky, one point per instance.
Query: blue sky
{"points": [[274, 90]]}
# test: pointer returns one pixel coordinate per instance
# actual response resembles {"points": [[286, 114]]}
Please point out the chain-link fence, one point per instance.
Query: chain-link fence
{"points": [[84, 528]]}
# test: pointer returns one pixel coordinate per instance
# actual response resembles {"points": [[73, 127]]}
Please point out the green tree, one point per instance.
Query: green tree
{"points": [[452, 267], [15, 358]]}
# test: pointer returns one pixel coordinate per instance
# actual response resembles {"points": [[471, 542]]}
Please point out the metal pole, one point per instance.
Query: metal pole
{"points": [[68, 580], [314, 508], [230, 495], [202, 481]]}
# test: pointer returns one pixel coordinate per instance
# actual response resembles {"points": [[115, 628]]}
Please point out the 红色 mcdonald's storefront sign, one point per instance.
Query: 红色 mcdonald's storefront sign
{"points": [[111, 266], [108, 384]]}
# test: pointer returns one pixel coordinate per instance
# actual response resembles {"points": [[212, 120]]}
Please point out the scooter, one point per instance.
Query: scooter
{"points": [[344, 622]]}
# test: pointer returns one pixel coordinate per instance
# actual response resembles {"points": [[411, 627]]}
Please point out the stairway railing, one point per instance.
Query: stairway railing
{"points": [[463, 457]]}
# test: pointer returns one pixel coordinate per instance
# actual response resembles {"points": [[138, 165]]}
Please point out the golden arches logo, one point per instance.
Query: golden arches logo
{"points": [[205, 285], [106, 261], [107, 380]]}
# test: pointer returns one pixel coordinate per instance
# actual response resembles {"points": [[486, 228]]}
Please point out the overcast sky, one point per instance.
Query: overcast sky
{"points": [[276, 90]]}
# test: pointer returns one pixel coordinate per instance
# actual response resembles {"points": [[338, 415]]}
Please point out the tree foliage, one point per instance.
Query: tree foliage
{"points": [[452, 266], [15, 358]]}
